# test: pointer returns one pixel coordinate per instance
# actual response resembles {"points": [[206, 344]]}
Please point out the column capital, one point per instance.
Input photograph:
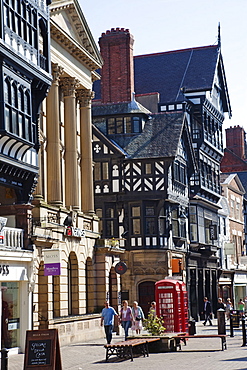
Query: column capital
{"points": [[84, 97], [69, 85], [56, 72]]}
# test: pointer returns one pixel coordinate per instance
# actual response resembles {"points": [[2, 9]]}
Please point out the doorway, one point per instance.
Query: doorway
{"points": [[146, 295]]}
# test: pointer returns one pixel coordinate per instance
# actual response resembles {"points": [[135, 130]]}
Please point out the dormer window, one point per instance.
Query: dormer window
{"points": [[124, 125]]}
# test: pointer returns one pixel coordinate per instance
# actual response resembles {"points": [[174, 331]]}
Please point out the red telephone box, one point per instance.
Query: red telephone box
{"points": [[184, 306], [172, 304]]}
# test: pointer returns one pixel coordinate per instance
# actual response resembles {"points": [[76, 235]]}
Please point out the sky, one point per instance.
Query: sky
{"points": [[164, 25]]}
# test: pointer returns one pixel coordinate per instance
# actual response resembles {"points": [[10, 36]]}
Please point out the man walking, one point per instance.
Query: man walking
{"points": [[107, 316], [207, 311]]}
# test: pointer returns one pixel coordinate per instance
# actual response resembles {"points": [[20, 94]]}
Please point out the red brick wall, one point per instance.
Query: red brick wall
{"points": [[235, 138], [117, 77]]}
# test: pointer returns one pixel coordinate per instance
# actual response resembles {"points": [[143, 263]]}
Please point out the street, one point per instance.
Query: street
{"points": [[197, 354]]}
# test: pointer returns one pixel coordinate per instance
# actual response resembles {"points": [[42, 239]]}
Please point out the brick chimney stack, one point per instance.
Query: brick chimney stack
{"points": [[117, 77], [235, 141]]}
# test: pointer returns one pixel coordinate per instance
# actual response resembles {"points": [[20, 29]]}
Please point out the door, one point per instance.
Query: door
{"points": [[146, 295]]}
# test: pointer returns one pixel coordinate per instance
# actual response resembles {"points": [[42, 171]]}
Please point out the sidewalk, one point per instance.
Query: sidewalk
{"points": [[197, 354]]}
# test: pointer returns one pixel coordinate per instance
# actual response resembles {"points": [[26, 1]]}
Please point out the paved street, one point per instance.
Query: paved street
{"points": [[197, 354]]}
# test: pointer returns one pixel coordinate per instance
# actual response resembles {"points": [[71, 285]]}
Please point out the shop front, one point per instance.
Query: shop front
{"points": [[16, 299], [240, 287]]}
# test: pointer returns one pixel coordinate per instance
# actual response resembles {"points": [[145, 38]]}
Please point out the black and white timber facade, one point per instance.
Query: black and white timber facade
{"points": [[166, 179]]}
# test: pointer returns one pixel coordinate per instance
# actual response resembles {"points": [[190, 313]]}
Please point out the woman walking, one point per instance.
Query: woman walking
{"points": [[138, 317], [126, 318]]}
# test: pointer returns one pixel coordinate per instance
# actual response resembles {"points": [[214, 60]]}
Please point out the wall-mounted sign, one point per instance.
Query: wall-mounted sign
{"points": [[52, 262], [229, 249], [121, 268], [74, 231]]}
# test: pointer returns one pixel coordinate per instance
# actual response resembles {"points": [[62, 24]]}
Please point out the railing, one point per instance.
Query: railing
{"points": [[12, 238]]}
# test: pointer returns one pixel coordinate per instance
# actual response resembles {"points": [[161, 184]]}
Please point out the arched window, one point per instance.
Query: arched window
{"points": [[73, 285]]}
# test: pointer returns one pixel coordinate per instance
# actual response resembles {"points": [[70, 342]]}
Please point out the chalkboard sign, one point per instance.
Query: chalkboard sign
{"points": [[42, 350]]}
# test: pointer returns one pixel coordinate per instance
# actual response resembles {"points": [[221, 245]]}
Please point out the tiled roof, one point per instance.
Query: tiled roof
{"points": [[119, 108], [191, 69], [159, 138]]}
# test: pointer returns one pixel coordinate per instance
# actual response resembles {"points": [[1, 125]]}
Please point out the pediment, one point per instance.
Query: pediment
{"points": [[69, 28]]}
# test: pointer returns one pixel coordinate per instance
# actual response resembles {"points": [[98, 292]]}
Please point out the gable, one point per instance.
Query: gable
{"points": [[68, 22]]}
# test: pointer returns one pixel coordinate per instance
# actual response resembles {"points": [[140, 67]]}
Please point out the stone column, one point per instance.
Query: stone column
{"points": [[87, 190], [54, 192], [70, 133]]}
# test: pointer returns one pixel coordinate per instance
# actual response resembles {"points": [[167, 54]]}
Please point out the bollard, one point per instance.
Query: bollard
{"points": [[4, 359], [243, 331], [231, 326], [221, 321]]}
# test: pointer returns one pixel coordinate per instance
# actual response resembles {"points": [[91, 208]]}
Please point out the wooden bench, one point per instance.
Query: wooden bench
{"points": [[125, 349], [184, 337]]}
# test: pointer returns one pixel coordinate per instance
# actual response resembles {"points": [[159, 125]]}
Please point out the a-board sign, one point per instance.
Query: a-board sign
{"points": [[42, 350]]}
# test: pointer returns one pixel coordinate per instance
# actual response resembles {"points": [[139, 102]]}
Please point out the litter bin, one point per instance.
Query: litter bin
{"points": [[192, 327], [235, 318]]}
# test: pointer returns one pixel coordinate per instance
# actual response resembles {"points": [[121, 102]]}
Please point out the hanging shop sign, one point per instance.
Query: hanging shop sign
{"points": [[213, 232], [74, 231], [121, 268], [52, 262]]}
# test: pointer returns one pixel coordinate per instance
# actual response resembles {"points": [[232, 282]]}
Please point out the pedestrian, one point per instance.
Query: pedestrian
{"points": [[241, 307], [107, 317], [220, 304], [207, 310], [126, 318], [138, 316], [229, 307], [152, 309]]}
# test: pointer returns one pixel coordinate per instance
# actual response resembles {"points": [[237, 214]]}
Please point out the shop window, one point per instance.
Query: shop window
{"points": [[10, 315]]}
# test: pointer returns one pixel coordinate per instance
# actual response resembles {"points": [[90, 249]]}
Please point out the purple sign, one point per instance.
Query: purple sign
{"points": [[52, 269]]}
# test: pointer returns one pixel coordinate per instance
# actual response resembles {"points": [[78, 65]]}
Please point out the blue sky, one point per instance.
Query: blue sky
{"points": [[163, 25]]}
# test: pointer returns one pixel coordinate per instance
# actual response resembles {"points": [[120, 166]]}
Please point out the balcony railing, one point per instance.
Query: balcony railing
{"points": [[11, 238]]}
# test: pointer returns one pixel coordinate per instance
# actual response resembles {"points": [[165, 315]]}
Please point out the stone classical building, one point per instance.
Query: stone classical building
{"points": [[65, 227]]}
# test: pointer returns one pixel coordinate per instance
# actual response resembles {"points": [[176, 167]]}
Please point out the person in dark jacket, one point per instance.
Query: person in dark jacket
{"points": [[207, 310], [220, 304]]}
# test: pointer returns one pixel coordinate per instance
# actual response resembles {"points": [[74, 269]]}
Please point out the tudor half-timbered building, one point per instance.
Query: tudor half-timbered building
{"points": [[191, 81], [25, 79]]}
